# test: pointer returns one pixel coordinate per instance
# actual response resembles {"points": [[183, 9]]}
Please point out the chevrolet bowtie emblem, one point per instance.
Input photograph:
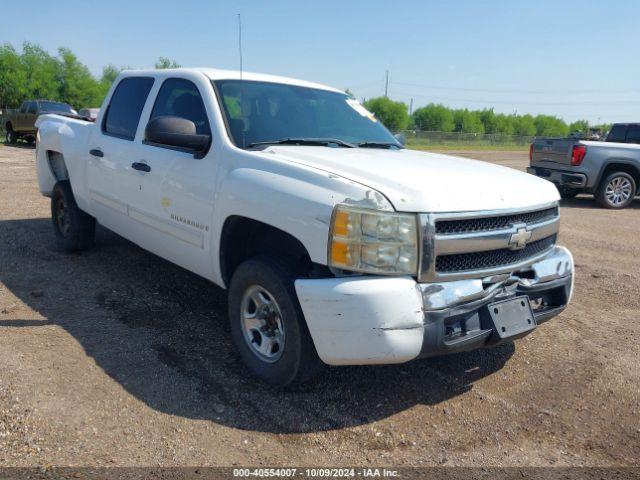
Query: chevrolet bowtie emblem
{"points": [[519, 240]]}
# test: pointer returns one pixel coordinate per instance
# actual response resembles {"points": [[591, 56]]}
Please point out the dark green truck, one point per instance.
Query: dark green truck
{"points": [[20, 123]]}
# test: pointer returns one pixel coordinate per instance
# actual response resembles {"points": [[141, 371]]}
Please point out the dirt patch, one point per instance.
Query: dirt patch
{"points": [[117, 357]]}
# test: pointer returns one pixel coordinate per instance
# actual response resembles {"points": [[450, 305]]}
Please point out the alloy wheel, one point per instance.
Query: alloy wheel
{"points": [[618, 191]]}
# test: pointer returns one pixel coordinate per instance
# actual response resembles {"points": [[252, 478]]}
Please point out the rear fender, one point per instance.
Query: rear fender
{"points": [[61, 153], [633, 164]]}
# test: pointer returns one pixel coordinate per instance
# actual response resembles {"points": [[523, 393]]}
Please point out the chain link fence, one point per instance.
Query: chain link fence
{"points": [[419, 138]]}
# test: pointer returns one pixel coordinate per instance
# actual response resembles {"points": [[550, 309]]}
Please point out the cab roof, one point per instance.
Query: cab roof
{"points": [[216, 74]]}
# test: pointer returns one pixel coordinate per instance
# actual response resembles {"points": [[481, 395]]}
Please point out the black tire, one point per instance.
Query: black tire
{"points": [[603, 194], [298, 361], [567, 193], [12, 136], [74, 229]]}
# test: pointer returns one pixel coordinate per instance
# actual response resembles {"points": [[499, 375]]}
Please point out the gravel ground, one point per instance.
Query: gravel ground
{"points": [[117, 357]]}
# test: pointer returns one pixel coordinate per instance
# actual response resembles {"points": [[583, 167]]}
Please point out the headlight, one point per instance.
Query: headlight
{"points": [[372, 241]]}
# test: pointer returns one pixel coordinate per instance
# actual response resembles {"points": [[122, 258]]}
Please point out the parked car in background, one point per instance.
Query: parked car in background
{"points": [[336, 244], [89, 113], [610, 170], [20, 124]]}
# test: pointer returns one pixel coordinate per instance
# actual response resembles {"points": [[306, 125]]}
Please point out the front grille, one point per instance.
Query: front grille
{"points": [[472, 225], [462, 262]]}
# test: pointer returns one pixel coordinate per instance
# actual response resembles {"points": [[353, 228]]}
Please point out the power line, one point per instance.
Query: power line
{"points": [[630, 115], [504, 90], [517, 102]]}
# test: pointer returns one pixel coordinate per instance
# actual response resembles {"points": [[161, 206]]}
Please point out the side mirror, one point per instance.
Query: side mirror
{"points": [[176, 132], [400, 137]]}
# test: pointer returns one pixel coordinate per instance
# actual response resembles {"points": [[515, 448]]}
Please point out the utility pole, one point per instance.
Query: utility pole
{"points": [[411, 107], [386, 85]]}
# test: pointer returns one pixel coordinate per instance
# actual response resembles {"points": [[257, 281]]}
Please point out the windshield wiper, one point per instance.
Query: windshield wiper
{"points": [[304, 141], [378, 145]]}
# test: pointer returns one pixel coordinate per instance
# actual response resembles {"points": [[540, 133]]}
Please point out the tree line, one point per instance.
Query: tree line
{"points": [[33, 73], [439, 118]]}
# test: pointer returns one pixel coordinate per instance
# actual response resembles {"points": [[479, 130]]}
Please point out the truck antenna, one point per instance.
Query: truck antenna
{"points": [[240, 42], [240, 55]]}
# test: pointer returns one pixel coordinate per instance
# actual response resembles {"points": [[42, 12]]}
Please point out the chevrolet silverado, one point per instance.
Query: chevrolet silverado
{"points": [[336, 244]]}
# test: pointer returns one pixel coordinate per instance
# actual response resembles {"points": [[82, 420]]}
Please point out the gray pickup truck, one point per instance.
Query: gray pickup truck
{"points": [[609, 170], [21, 123]]}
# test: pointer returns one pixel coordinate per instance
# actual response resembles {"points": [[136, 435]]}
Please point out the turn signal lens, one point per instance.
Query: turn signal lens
{"points": [[340, 253], [372, 241], [341, 224]]}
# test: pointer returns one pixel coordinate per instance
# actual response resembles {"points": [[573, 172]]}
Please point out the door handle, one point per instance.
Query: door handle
{"points": [[96, 152], [143, 167]]}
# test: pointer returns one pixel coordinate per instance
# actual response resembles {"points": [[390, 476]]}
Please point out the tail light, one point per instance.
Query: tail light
{"points": [[530, 152], [577, 154]]}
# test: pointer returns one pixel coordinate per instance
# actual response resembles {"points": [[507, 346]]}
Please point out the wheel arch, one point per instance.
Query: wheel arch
{"points": [[618, 165], [243, 237], [57, 165]]}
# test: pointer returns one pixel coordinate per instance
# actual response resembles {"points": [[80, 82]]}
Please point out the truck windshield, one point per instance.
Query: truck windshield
{"points": [[55, 107], [261, 113]]}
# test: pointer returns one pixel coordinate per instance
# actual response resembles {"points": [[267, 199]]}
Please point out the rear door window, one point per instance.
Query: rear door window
{"points": [[633, 134], [125, 107], [618, 133], [32, 107]]}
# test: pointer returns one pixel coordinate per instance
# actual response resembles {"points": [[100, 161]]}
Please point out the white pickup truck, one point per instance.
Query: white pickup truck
{"points": [[337, 245]]}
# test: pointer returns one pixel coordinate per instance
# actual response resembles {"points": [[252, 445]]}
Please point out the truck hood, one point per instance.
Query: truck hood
{"points": [[416, 181]]}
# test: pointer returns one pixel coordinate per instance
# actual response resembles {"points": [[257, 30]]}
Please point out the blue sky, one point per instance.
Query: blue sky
{"points": [[575, 59]]}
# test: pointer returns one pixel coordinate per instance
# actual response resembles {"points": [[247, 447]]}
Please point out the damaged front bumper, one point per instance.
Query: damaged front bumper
{"points": [[378, 320]]}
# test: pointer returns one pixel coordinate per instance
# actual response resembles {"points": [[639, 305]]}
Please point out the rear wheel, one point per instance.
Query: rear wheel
{"points": [[267, 324], [74, 229], [616, 191]]}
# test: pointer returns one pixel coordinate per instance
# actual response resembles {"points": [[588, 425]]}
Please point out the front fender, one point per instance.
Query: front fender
{"points": [[296, 200]]}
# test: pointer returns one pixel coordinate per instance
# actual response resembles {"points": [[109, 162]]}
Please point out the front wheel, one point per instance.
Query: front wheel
{"points": [[267, 324], [616, 191], [74, 228], [12, 136]]}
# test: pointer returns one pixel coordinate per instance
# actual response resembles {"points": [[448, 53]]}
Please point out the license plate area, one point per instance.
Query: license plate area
{"points": [[513, 317]]}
